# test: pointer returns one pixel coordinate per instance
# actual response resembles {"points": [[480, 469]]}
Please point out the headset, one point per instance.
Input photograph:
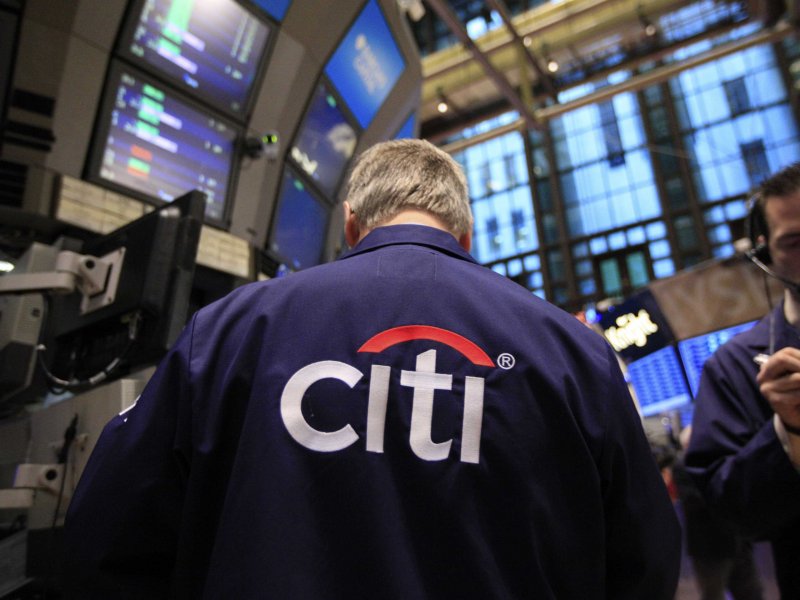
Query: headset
{"points": [[759, 252], [757, 227]]}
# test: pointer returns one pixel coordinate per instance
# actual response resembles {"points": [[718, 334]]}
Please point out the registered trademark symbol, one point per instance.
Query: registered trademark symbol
{"points": [[506, 361]]}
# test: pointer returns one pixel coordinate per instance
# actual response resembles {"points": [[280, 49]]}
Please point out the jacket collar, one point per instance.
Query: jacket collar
{"points": [[418, 235], [775, 321]]}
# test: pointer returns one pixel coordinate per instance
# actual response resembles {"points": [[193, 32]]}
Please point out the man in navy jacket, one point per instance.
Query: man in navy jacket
{"points": [[402, 423], [745, 448]]}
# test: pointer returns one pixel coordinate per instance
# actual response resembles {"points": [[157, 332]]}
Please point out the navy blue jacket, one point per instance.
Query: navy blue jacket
{"points": [[402, 423], [735, 454]]}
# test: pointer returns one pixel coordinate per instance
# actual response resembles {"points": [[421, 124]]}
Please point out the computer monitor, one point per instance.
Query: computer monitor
{"points": [[212, 50], [151, 303], [300, 223], [152, 143], [325, 141], [659, 382], [366, 64], [697, 350]]}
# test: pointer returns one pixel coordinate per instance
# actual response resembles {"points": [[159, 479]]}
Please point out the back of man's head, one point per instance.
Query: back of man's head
{"points": [[406, 174]]}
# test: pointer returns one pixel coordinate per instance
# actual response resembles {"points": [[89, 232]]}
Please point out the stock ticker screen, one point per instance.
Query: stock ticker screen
{"points": [[659, 382], [325, 142], [299, 225], [367, 64], [212, 49], [161, 147]]}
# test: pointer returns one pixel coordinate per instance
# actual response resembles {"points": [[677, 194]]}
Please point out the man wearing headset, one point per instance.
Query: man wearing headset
{"points": [[745, 448]]}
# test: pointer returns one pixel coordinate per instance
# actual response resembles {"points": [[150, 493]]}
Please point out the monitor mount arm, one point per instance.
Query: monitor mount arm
{"points": [[96, 278]]}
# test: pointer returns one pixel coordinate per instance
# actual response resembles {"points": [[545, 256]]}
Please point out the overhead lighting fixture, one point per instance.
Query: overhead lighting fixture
{"points": [[527, 41], [649, 28], [550, 62], [413, 8], [443, 105]]}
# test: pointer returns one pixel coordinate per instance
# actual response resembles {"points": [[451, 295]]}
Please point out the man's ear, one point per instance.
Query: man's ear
{"points": [[466, 241], [352, 231]]}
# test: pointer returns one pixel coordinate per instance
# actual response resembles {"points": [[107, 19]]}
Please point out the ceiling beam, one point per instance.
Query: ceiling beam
{"points": [[636, 83], [500, 7], [446, 14]]}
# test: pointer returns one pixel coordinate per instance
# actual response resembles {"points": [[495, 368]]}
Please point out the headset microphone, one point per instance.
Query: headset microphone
{"points": [[753, 256], [757, 232]]}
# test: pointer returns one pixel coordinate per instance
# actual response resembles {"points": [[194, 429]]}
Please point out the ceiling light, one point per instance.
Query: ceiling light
{"points": [[552, 65], [443, 105]]}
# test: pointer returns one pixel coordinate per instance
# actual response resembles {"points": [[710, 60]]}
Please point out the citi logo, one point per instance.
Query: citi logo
{"points": [[424, 380]]}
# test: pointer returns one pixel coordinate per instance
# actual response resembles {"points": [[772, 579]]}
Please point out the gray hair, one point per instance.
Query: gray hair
{"points": [[393, 176]]}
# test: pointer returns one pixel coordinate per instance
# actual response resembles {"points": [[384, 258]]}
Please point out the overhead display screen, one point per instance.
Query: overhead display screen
{"points": [[299, 225], [275, 8], [150, 142], [366, 65], [697, 350], [212, 48], [325, 143]]}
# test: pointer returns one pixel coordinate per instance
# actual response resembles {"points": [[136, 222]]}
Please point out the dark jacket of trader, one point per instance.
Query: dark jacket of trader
{"points": [[745, 447], [737, 456], [402, 423]]}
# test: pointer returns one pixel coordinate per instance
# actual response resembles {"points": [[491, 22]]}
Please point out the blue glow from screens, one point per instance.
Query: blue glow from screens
{"points": [[161, 147], [298, 234], [275, 8], [367, 64], [212, 49], [325, 143], [659, 382], [408, 128], [697, 350]]}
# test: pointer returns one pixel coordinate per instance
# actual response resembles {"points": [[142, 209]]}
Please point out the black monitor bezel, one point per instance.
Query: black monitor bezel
{"points": [[122, 51], [102, 126]]}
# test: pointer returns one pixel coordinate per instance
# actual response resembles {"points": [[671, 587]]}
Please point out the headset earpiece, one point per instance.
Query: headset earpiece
{"points": [[757, 228]]}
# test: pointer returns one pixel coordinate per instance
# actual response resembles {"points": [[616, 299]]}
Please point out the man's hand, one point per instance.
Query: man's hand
{"points": [[779, 382]]}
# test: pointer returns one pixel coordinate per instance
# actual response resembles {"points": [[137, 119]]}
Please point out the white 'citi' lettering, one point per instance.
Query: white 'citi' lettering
{"points": [[424, 380]]}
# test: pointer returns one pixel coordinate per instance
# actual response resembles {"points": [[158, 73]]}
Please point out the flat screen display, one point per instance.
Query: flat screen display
{"points": [[367, 64], [275, 8], [152, 142], [212, 49], [659, 382], [299, 225], [325, 142], [408, 129], [697, 350]]}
